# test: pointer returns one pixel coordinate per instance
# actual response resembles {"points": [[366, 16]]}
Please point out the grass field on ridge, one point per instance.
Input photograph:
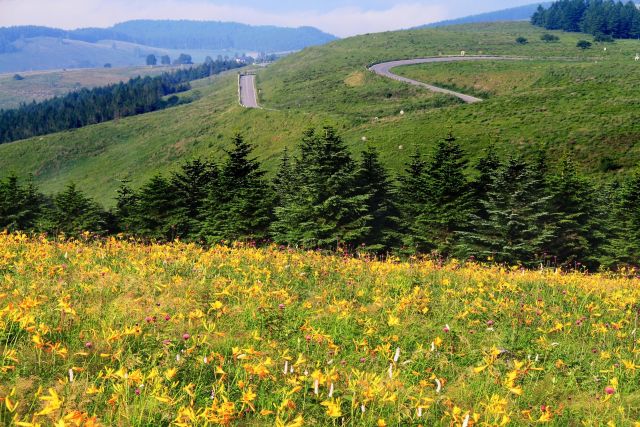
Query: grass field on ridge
{"points": [[41, 85]]}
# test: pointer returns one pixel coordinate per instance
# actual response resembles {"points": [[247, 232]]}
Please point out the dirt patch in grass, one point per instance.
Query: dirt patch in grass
{"points": [[355, 79]]}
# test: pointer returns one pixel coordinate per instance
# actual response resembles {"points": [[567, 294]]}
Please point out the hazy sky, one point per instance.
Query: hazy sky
{"points": [[340, 17]]}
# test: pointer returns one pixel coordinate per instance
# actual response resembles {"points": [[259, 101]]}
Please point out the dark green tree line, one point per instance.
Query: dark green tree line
{"points": [[511, 211], [596, 17]]}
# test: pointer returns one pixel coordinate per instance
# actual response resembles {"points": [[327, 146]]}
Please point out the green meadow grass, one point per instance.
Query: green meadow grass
{"points": [[580, 103], [122, 333], [40, 85]]}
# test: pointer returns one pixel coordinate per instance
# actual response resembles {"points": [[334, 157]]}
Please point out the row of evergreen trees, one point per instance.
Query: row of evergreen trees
{"points": [[513, 211], [596, 17], [90, 106]]}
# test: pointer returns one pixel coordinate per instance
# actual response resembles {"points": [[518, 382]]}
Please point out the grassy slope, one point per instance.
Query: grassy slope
{"points": [[587, 108], [97, 157], [484, 79], [521, 346], [41, 85]]}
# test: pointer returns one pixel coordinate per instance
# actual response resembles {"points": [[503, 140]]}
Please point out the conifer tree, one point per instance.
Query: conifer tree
{"points": [[240, 206], [154, 210], [516, 230], [597, 17], [291, 213], [413, 195], [191, 186], [284, 182], [372, 179], [437, 199], [20, 205], [626, 243], [450, 200], [634, 26], [538, 18], [126, 209], [290, 202], [73, 213], [575, 218], [327, 210], [487, 168]]}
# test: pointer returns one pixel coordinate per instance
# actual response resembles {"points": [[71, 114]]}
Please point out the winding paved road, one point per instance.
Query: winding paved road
{"points": [[248, 93], [384, 69]]}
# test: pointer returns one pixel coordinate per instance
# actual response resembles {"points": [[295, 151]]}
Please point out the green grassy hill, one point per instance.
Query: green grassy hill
{"points": [[584, 104]]}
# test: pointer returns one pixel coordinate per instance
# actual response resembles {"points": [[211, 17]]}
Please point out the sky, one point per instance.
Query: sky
{"points": [[339, 17]]}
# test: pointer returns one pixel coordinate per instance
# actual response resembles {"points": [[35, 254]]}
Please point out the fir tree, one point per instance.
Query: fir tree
{"points": [[327, 210], [73, 213], [284, 183], [597, 17], [626, 243], [487, 168], [291, 215], [516, 230], [634, 26], [372, 179], [413, 196], [290, 202], [20, 206], [154, 210], [575, 218], [449, 201], [191, 186], [126, 209], [539, 18], [240, 206], [607, 199], [436, 199]]}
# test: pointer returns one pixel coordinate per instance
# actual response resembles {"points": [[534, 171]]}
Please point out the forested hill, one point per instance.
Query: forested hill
{"points": [[180, 35], [521, 13], [220, 35], [599, 18]]}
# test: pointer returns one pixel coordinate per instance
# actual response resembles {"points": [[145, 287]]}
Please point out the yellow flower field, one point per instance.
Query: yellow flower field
{"points": [[119, 333]]}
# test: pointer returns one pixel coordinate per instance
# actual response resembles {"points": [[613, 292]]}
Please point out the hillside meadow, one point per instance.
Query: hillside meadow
{"points": [[112, 332], [572, 101], [40, 85]]}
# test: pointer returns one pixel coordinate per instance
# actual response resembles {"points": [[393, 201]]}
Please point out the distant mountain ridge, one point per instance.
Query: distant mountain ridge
{"points": [[521, 13], [27, 48], [180, 35], [220, 35]]}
